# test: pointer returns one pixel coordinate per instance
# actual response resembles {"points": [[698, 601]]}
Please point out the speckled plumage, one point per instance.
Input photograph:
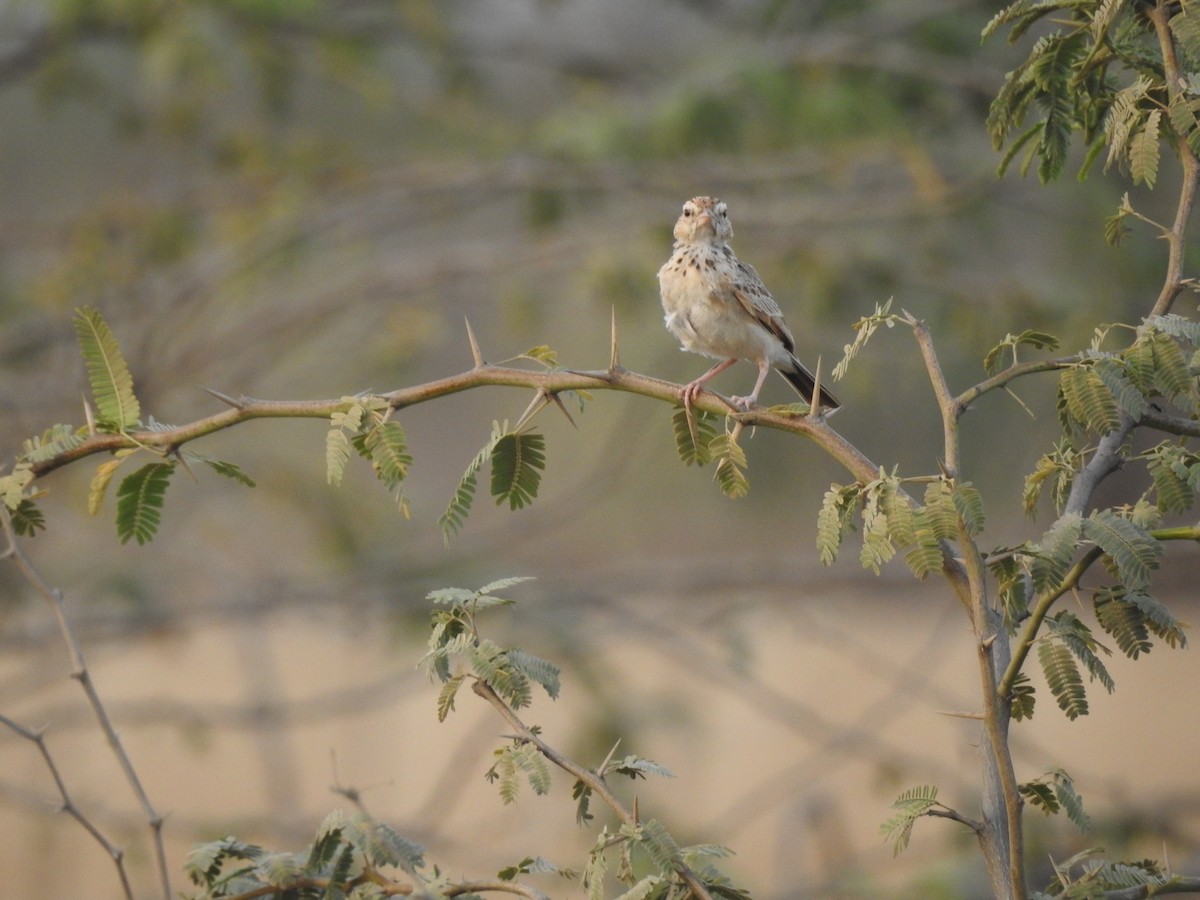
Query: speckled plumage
{"points": [[718, 306]]}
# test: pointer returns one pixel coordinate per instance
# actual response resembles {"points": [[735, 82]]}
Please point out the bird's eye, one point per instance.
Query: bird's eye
{"points": [[687, 212]]}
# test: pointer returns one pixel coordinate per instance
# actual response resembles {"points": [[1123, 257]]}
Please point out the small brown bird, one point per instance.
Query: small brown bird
{"points": [[718, 306]]}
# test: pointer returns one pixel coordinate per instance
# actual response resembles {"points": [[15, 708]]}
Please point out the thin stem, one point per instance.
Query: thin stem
{"points": [[1001, 379], [946, 401], [1041, 607], [946, 812], [1038, 614], [80, 672], [1176, 237], [68, 804], [594, 781]]}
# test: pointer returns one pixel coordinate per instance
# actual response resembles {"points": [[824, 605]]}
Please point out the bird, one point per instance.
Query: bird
{"points": [[718, 306]]}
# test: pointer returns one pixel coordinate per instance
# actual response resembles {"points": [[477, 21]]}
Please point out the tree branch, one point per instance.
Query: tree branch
{"points": [[946, 403], [1038, 614], [594, 781], [80, 672], [1001, 379], [68, 804], [1176, 236]]}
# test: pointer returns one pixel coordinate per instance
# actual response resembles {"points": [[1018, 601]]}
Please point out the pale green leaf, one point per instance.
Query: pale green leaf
{"points": [[117, 407]]}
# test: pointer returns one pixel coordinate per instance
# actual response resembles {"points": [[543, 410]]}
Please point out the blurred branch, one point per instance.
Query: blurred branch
{"points": [[68, 805], [592, 779], [80, 672]]}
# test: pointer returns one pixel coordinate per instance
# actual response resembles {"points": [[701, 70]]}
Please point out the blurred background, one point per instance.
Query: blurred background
{"points": [[307, 199]]}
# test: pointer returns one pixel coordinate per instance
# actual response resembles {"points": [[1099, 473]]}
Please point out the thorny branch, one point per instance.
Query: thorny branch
{"points": [[80, 672], [68, 804]]}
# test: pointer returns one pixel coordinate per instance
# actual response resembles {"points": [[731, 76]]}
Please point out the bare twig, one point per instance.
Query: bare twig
{"points": [[80, 672], [68, 804], [594, 781]]}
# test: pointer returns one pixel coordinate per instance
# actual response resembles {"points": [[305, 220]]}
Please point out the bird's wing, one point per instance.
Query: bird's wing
{"points": [[748, 289]]}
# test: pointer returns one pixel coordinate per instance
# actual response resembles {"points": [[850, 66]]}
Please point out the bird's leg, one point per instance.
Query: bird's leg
{"points": [[692, 389], [746, 402]]}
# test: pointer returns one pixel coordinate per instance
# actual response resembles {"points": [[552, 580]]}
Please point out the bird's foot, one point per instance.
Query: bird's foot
{"points": [[744, 402]]}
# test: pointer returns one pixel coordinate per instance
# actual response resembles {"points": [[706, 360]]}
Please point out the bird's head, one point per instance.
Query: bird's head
{"points": [[704, 219]]}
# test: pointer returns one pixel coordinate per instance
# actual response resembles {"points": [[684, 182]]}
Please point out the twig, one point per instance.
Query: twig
{"points": [[594, 781], [68, 804], [80, 672], [947, 404], [1037, 614], [945, 812], [1173, 281]]}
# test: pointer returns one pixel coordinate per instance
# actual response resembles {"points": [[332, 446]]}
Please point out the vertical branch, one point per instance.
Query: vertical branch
{"points": [[80, 672], [1001, 837], [1173, 281]]}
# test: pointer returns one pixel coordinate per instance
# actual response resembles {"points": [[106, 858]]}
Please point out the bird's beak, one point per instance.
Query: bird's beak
{"points": [[704, 219]]}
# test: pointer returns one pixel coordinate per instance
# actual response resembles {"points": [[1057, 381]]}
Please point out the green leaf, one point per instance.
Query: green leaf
{"points": [[635, 767], [1172, 376], [909, 806], [537, 669], [1055, 552], [1124, 115], [117, 407], [27, 519], [55, 440], [518, 459], [877, 547], [865, 328], [659, 845], [1124, 622], [1185, 26], [1069, 799], [1088, 401], [731, 466], [925, 555], [445, 703], [1144, 151], [387, 847], [940, 512], [1063, 677], [968, 502], [834, 518], [337, 454], [140, 501], [1040, 796], [451, 521], [1023, 700], [1077, 638], [1158, 617], [694, 452], [1112, 373], [582, 795], [645, 888], [1172, 469], [1133, 549], [387, 448], [228, 469], [502, 584], [542, 354]]}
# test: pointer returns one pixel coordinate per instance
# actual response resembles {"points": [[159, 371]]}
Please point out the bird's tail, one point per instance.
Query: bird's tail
{"points": [[804, 382]]}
